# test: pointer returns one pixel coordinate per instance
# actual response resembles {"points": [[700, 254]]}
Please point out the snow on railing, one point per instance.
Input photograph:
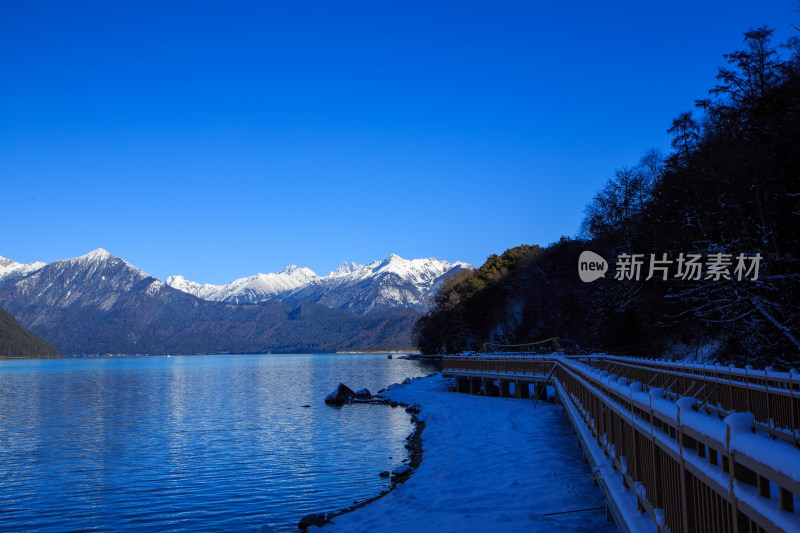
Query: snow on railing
{"points": [[772, 397]]}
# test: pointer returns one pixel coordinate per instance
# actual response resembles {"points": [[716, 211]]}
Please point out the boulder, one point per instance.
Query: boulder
{"points": [[401, 472], [385, 473], [363, 394], [341, 395], [316, 519], [407, 381], [414, 408]]}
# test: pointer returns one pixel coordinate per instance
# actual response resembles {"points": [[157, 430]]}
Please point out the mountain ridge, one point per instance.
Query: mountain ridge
{"points": [[379, 285], [98, 303]]}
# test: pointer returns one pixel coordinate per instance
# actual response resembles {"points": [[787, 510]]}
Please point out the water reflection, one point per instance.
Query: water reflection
{"points": [[212, 443]]}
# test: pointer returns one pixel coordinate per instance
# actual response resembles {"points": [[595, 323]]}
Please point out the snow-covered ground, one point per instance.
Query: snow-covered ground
{"points": [[489, 465]]}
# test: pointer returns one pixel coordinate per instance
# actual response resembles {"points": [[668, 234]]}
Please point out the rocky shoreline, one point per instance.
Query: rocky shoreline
{"points": [[344, 395]]}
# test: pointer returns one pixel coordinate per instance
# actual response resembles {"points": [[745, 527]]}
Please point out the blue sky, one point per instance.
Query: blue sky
{"points": [[217, 140]]}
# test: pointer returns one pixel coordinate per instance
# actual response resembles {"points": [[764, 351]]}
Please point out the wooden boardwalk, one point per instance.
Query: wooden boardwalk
{"points": [[699, 447]]}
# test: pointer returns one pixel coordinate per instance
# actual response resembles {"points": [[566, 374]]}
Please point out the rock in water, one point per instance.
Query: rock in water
{"points": [[341, 395], [407, 381], [402, 470], [401, 473], [316, 519], [363, 394]]}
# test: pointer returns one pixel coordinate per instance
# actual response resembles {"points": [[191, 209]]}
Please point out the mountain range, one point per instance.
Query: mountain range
{"points": [[379, 286], [99, 303]]}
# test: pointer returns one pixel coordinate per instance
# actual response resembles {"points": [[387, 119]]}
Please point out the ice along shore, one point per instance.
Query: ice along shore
{"points": [[490, 464]]}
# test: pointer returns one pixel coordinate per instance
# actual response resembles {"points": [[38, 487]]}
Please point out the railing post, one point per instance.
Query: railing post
{"points": [[795, 414], [747, 386], [731, 478], [635, 443], [716, 382], [657, 477], [730, 390], [737, 422], [770, 421], [683, 402]]}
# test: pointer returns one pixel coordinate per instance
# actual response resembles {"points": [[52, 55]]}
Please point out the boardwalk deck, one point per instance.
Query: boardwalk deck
{"points": [[699, 447]]}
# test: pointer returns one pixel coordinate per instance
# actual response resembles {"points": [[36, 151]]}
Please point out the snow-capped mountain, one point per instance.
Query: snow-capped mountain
{"points": [[253, 289], [380, 285], [94, 303], [95, 279], [12, 269]]}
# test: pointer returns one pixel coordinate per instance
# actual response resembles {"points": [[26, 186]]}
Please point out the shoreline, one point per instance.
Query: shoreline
{"points": [[107, 355], [415, 455]]}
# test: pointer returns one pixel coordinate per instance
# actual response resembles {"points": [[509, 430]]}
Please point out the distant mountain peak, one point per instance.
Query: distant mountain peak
{"points": [[98, 254], [296, 271], [347, 268], [9, 267]]}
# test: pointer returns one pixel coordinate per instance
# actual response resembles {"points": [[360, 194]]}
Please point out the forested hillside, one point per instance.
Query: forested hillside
{"points": [[16, 341], [731, 186]]}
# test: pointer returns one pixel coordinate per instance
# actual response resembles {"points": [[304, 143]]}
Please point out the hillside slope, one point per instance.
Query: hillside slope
{"points": [[16, 341]]}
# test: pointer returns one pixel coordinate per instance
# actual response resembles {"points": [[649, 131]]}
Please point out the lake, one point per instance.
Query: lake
{"points": [[192, 443]]}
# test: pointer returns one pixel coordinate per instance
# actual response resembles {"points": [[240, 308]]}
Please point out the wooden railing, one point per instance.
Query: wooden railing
{"points": [[491, 364], [687, 467], [772, 397]]}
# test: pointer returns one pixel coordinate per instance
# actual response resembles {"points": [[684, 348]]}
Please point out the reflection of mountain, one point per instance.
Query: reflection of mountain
{"points": [[98, 303], [378, 286]]}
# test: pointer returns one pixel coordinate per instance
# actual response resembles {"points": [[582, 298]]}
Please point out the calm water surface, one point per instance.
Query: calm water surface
{"points": [[196, 443]]}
